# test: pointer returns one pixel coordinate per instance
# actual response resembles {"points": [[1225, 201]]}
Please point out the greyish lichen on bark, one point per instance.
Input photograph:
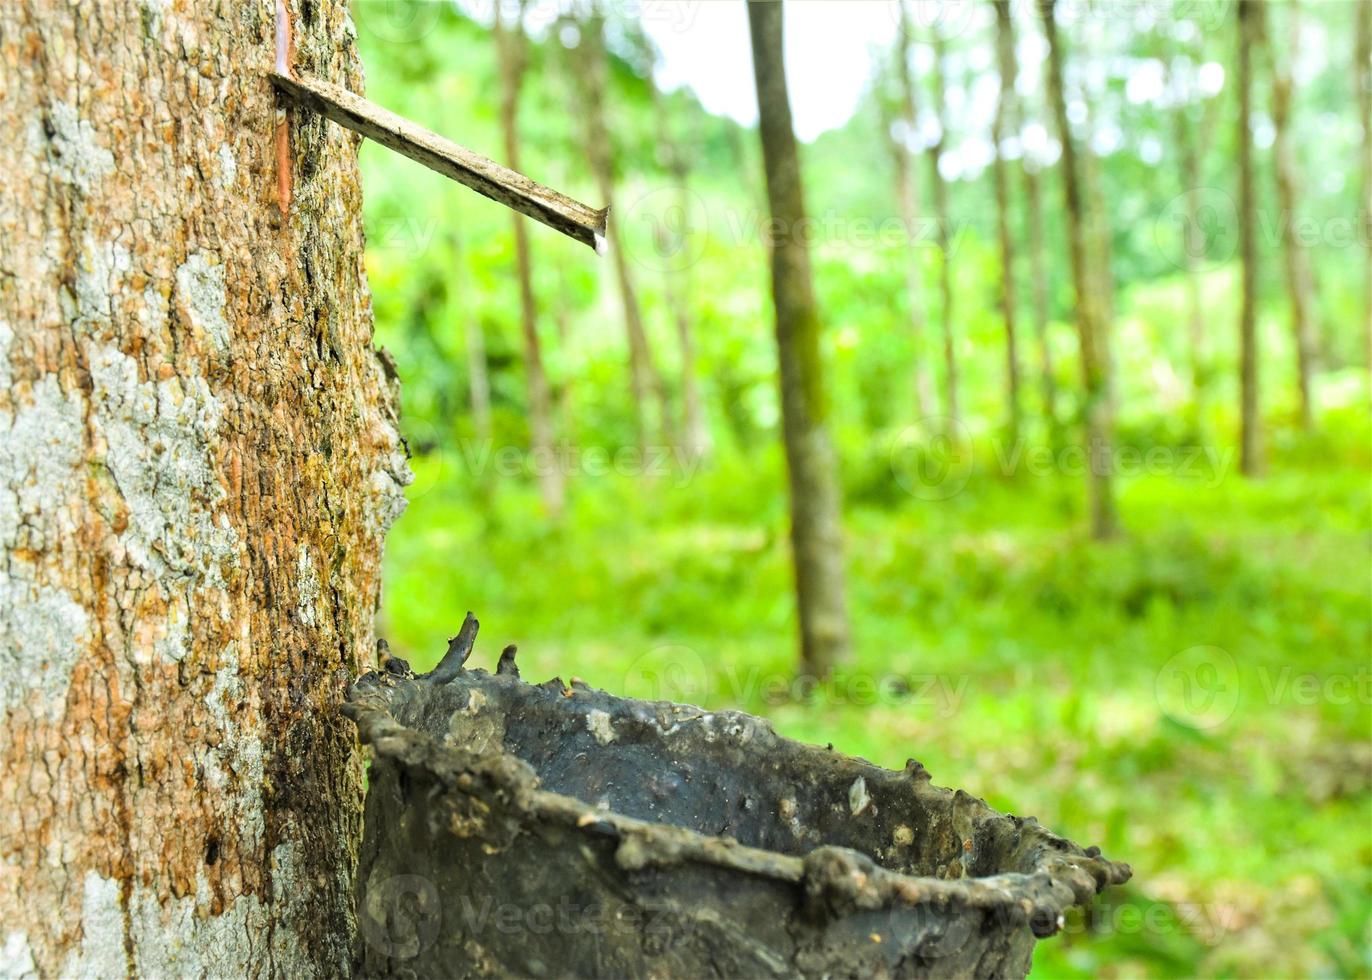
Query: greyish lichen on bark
{"points": [[198, 462]]}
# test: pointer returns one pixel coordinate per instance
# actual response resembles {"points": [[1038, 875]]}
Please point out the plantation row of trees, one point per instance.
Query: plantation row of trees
{"points": [[1117, 136]]}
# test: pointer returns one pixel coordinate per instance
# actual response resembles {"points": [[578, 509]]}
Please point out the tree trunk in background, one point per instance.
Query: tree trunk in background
{"points": [[1250, 437], [672, 241], [935, 155], [198, 462], [478, 377], [1192, 250], [510, 50], [1095, 362], [1004, 121], [695, 435], [907, 197], [1102, 247], [1038, 270], [1363, 78], [1298, 278], [644, 378], [816, 529]]}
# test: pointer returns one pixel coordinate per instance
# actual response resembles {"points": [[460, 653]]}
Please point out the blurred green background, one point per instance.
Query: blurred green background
{"points": [[1195, 696]]}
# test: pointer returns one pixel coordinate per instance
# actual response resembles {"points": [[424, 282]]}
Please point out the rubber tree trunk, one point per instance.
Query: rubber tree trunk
{"points": [[1193, 249], [908, 200], [1250, 421], [935, 156], [1363, 80], [695, 434], [1095, 362], [1299, 284], [198, 463], [1038, 270], [511, 53], [816, 532], [649, 392], [1001, 126], [478, 375]]}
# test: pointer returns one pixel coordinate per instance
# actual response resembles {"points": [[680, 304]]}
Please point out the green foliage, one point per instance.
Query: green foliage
{"points": [[993, 642]]}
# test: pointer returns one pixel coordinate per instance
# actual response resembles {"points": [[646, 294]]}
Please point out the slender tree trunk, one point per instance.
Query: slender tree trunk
{"points": [[510, 44], [1091, 335], [1363, 77], [478, 377], [1004, 121], [1250, 421], [649, 392], [694, 433], [816, 529], [1193, 248], [935, 156], [672, 234], [198, 462], [1038, 268], [907, 197], [1298, 277]]}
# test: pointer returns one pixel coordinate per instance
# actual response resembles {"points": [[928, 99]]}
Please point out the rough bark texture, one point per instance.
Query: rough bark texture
{"points": [[1004, 122], [934, 156], [1299, 283], [1250, 437], [198, 462], [1038, 271], [816, 529], [908, 199], [1095, 362], [521, 830], [649, 393], [511, 51]]}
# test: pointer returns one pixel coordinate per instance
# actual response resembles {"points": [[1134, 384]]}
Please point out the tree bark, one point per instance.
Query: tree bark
{"points": [[1299, 283], [1004, 120], [1095, 362], [510, 50], [908, 199], [1250, 436], [198, 462], [644, 377], [935, 155], [816, 529], [1038, 270]]}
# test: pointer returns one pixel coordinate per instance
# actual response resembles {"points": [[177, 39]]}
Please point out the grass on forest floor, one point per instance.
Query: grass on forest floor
{"points": [[1193, 697]]}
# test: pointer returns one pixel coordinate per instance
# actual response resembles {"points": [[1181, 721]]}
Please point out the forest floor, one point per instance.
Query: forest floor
{"points": [[1195, 697]]}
